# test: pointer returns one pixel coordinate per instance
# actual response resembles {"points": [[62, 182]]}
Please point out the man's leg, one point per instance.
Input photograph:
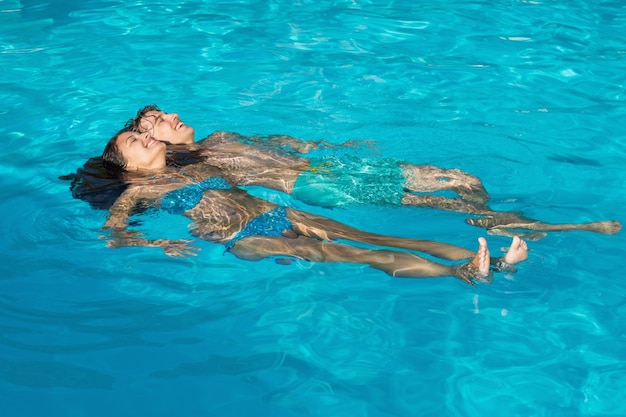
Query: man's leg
{"points": [[429, 178]]}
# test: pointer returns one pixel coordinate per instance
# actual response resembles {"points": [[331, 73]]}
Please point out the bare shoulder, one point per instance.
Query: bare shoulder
{"points": [[155, 187], [220, 137]]}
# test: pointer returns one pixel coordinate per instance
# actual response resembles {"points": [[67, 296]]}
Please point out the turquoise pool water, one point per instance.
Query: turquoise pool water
{"points": [[528, 95]]}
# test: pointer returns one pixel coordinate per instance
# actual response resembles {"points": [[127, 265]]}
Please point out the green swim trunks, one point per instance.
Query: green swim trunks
{"points": [[335, 182]]}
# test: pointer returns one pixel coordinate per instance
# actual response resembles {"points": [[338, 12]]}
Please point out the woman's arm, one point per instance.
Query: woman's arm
{"points": [[174, 248], [120, 213]]}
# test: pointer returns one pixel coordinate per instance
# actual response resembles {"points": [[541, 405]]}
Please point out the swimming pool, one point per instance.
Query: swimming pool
{"points": [[528, 95]]}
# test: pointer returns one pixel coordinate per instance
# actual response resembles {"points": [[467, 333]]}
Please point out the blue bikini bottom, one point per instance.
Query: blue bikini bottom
{"points": [[271, 223]]}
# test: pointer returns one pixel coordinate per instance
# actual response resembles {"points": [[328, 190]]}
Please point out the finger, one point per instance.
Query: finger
{"points": [[186, 252], [469, 282]]}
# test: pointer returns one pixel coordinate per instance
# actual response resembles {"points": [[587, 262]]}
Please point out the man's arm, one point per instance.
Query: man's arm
{"points": [[289, 143]]}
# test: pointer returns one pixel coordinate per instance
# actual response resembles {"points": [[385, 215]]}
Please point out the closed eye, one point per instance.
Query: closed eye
{"points": [[130, 140]]}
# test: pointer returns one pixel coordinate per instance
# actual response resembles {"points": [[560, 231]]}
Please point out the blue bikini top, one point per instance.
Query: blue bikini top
{"points": [[186, 198]]}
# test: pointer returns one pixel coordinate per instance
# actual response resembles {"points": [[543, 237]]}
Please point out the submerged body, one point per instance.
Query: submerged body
{"points": [[335, 182]]}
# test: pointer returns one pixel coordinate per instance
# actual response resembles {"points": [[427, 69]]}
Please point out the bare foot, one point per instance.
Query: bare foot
{"points": [[518, 251], [481, 260], [610, 227], [478, 268]]}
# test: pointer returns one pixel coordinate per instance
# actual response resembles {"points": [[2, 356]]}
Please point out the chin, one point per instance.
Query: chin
{"points": [[191, 134]]}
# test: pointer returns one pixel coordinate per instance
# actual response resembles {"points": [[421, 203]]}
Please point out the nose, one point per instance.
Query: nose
{"points": [[172, 119], [145, 138]]}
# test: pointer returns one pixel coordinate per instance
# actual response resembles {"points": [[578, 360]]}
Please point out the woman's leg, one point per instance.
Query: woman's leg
{"points": [[396, 264], [319, 227]]}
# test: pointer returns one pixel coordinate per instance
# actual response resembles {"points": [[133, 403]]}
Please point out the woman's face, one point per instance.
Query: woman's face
{"points": [[141, 151]]}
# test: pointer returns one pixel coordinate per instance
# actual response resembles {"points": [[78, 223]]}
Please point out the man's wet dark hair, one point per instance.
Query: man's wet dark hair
{"points": [[141, 114]]}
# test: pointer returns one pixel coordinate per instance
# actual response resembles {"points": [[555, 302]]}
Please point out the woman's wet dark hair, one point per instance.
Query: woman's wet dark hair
{"points": [[100, 181], [112, 158], [95, 184]]}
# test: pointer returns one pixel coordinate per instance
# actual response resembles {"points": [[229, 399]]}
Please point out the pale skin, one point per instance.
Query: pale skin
{"points": [[221, 214], [244, 162]]}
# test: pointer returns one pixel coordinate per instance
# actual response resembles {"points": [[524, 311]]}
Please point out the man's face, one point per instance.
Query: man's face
{"points": [[166, 127]]}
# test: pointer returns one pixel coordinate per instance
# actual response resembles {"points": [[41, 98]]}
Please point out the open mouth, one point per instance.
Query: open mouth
{"points": [[179, 125]]}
